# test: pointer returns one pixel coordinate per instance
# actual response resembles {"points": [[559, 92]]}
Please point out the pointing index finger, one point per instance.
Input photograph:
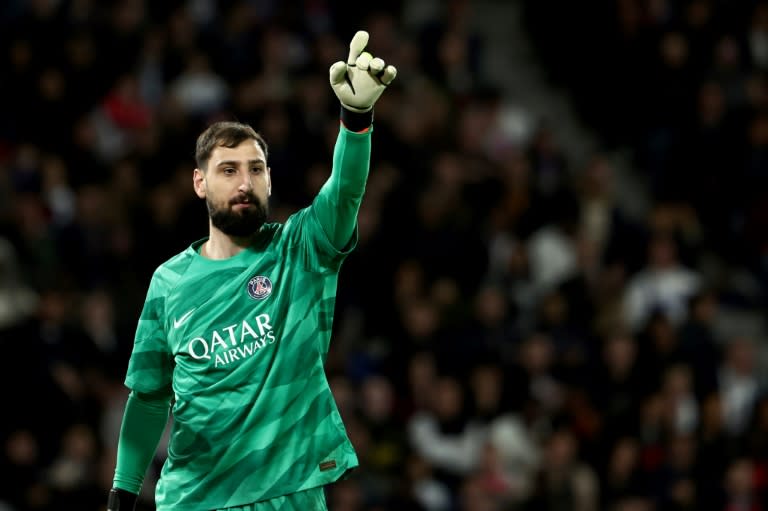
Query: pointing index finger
{"points": [[356, 46]]}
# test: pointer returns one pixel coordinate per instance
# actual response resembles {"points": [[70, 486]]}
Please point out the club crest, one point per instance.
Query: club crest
{"points": [[259, 287]]}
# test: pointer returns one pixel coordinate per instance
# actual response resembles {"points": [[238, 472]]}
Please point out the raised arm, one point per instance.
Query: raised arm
{"points": [[357, 83]]}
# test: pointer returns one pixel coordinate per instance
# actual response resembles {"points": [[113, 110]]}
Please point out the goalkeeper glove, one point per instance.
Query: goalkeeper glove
{"points": [[121, 500], [359, 82]]}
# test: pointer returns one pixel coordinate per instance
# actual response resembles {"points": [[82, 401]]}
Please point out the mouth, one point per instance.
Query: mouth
{"points": [[242, 202]]}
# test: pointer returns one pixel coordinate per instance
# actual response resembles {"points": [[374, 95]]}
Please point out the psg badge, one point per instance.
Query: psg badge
{"points": [[259, 287]]}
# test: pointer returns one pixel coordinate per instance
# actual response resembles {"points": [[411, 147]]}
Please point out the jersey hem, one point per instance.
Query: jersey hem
{"points": [[313, 482]]}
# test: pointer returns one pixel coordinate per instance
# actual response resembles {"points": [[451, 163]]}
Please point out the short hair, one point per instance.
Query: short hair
{"points": [[224, 134]]}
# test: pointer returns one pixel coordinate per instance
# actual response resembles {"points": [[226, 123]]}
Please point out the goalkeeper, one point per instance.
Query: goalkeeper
{"points": [[235, 329]]}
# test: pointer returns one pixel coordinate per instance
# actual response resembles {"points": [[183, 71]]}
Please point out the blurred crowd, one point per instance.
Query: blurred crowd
{"points": [[507, 336]]}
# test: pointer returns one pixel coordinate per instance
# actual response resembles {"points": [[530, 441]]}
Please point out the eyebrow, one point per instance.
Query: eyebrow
{"points": [[234, 163]]}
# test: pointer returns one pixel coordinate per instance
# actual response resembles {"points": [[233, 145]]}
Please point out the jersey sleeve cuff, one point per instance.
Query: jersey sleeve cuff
{"points": [[356, 121]]}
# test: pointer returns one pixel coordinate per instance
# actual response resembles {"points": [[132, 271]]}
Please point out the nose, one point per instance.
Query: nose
{"points": [[246, 184]]}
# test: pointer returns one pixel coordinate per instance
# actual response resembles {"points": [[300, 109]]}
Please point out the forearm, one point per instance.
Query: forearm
{"points": [[339, 200], [144, 421]]}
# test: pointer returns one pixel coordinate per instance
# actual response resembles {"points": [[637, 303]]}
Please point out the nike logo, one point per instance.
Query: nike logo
{"points": [[180, 321]]}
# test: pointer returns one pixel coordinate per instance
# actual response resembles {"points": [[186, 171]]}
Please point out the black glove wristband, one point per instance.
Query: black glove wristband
{"points": [[121, 500], [356, 121]]}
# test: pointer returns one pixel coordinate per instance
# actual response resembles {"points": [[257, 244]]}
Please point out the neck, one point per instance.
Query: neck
{"points": [[223, 246]]}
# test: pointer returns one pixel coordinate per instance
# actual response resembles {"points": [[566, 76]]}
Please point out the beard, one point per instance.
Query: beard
{"points": [[238, 223]]}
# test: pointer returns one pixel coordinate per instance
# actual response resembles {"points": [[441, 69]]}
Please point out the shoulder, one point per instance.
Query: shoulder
{"points": [[169, 272], [279, 231]]}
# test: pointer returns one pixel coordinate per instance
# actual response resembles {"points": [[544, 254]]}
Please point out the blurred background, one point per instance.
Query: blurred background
{"points": [[558, 300]]}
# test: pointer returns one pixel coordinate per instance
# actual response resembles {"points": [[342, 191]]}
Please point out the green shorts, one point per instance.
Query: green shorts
{"points": [[307, 500]]}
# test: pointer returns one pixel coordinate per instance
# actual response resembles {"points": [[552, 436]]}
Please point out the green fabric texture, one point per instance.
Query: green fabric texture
{"points": [[144, 421], [339, 199], [308, 500]]}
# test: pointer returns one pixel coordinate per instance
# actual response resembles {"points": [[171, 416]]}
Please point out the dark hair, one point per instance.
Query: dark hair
{"points": [[224, 134]]}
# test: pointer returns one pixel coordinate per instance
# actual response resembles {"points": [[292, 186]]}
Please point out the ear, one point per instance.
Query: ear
{"points": [[198, 181]]}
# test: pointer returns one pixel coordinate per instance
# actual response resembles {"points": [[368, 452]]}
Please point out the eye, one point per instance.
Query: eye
{"points": [[229, 171], [257, 170]]}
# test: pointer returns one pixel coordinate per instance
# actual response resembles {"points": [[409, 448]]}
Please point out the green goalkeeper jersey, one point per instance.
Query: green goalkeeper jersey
{"points": [[242, 343]]}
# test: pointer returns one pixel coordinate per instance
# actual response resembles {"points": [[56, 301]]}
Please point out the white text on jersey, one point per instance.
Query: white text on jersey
{"points": [[234, 342]]}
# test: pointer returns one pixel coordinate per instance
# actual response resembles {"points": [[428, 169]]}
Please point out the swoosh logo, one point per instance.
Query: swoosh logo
{"points": [[180, 321]]}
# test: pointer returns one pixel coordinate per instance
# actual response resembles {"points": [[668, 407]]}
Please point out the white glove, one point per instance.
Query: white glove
{"points": [[359, 82]]}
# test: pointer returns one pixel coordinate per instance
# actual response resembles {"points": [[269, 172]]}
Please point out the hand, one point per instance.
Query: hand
{"points": [[359, 82]]}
